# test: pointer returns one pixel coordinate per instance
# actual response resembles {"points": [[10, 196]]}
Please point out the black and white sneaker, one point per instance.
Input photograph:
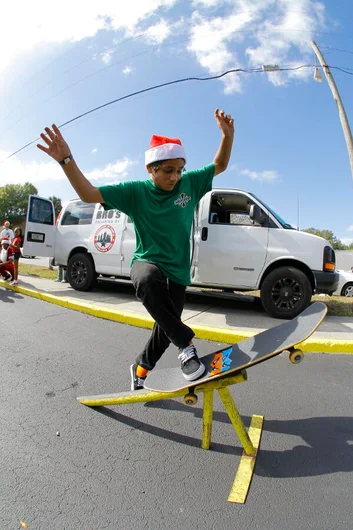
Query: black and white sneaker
{"points": [[137, 383], [191, 366]]}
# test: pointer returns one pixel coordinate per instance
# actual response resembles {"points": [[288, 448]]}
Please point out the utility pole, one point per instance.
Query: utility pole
{"points": [[342, 113]]}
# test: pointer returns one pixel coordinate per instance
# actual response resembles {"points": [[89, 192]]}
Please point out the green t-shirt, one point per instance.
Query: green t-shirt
{"points": [[162, 219]]}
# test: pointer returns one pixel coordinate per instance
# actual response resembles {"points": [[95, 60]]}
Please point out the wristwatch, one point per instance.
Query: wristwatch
{"points": [[66, 160]]}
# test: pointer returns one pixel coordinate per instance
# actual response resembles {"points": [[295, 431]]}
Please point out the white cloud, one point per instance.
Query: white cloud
{"points": [[107, 56], [16, 171], [158, 33], [261, 176], [280, 32], [350, 228], [127, 70], [74, 21], [209, 43], [94, 150], [224, 34], [285, 32], [346, 240], [113, 172]]}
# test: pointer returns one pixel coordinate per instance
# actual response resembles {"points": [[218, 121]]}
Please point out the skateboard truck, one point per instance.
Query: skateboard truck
{"points": [[190, 398]]}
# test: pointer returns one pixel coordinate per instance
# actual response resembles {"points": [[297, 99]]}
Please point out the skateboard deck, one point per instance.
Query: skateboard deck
{"points": [[246, 353]]}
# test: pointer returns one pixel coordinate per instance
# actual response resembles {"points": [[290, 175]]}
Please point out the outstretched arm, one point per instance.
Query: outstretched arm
{"points": [[226, 124], [59, 150]]}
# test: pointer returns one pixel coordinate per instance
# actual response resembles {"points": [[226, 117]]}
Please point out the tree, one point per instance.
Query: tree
{"points": [[327, 234], [57, 204], [14, 202]]}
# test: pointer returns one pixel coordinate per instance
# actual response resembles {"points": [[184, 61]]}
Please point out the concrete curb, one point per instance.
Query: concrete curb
{"points": [[323, 345]]}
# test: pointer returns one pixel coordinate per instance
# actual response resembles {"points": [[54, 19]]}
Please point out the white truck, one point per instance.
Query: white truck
{"points": [[237, 244]]}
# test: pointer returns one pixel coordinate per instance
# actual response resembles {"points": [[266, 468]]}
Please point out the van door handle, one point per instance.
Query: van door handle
{"points": [[204, 234]]}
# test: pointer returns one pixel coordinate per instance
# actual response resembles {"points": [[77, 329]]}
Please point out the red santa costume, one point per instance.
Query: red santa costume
{"points": [[6, 255]]}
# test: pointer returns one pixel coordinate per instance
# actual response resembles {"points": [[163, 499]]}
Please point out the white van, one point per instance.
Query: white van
{"points": [[238, 243]]}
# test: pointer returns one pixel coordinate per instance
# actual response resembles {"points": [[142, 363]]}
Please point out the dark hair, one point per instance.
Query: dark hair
{"points": [[157, 165]]}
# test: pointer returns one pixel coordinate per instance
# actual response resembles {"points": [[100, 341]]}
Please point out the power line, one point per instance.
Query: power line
{"points": [[111, 65], [337, 49], [169, 83]]}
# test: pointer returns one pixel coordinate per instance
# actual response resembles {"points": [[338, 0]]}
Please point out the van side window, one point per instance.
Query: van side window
{"points": [[78, 213], [231, 209], [40, 212]]}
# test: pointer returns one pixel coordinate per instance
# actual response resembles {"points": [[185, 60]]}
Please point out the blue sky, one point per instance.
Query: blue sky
{"points": [[289, 146]]}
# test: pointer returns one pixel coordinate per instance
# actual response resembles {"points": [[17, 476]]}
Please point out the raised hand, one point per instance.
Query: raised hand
{"points": [[57, 147], [225, 122]]}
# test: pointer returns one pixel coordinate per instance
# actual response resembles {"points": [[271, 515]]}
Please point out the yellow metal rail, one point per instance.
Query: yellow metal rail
{"points": [[250, 440]]}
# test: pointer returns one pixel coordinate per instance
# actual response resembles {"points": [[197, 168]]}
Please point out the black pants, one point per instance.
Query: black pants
{"points": [[164, 300]]}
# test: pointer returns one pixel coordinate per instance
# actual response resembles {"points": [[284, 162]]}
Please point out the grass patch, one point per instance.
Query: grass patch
{"points": [[37, 272], [336, 305]]}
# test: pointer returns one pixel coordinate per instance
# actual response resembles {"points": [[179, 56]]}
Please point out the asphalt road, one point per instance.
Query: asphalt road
{"points": [[68, 467]]}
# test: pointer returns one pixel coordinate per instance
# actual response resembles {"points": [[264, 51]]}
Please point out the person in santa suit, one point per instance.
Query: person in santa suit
{"points": [[162, 211], [6, 259]]}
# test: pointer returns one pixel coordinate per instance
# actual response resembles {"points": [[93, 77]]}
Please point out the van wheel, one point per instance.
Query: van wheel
{"points": [[286, 292], [81, 272]]}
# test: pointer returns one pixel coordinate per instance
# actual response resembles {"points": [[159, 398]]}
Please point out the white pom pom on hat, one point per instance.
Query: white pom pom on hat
{"points": [[163, 148]]}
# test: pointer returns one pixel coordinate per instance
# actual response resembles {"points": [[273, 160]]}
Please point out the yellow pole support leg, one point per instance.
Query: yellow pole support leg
{"points": [[207, 419], [245, 472], [236, 420]]}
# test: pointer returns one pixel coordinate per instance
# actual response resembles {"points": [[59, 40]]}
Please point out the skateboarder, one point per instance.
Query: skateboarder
{"points": [[161, 209]]}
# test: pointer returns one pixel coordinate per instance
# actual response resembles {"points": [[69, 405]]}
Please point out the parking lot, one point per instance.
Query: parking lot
{"points": [[141, 466]]}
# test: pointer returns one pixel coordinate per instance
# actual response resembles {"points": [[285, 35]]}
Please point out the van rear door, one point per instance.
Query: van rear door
{"points": [[40, 228]]}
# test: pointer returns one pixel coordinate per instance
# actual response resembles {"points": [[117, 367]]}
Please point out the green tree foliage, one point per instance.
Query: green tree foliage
{"points": [[57, 204], [14, 202], [327, 234]]}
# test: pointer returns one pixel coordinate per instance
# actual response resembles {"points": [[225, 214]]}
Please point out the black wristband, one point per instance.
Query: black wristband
{"points": [[66, 160]]}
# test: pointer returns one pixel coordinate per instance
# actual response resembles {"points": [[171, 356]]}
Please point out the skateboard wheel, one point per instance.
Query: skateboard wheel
{"points": [[296, 356], [190, 399]]}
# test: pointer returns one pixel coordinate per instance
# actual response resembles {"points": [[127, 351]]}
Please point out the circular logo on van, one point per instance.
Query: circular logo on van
{"points": [[104, 238]]}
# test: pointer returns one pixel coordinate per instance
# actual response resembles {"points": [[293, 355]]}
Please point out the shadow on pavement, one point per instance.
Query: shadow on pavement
{"points": [[167, 434], [328, 443], [9, 296], [328, 448]]}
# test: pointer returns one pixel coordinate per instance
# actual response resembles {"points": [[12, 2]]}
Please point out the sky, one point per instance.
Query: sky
{"points": [[289, 147]]}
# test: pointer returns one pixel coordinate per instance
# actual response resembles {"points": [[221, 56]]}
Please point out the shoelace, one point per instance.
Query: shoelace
{"points": [[140, 381], [188, 353]]}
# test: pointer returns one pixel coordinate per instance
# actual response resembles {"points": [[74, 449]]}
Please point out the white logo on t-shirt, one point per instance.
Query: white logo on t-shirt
{"points": [[182, 200]]}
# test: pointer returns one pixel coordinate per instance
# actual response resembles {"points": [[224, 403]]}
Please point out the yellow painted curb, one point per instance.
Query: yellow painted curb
{"points": [[228, 336]]}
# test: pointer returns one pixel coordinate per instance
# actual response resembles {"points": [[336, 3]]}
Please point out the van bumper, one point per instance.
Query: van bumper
{"points": [[326, 282]]}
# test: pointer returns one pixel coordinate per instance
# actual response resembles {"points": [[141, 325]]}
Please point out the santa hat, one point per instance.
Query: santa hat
{"points": [[5, 240], [163, 148]]}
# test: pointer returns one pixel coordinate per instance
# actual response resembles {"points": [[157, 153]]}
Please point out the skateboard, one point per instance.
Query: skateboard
{"points": [[246, 353]]}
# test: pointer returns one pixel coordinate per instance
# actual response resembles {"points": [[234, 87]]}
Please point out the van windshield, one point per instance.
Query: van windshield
{"points": [[281, 221]]}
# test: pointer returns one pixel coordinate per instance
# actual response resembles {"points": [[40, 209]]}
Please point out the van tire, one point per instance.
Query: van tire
{"points": [[286, 292], [81, 272]]}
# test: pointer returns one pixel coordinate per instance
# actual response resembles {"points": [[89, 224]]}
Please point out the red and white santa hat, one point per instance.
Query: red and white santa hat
{"points": [[163, 148], [5, 241]]}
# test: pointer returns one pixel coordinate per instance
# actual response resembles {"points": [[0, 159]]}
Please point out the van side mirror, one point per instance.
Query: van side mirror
{"points": [[257, 215]]}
